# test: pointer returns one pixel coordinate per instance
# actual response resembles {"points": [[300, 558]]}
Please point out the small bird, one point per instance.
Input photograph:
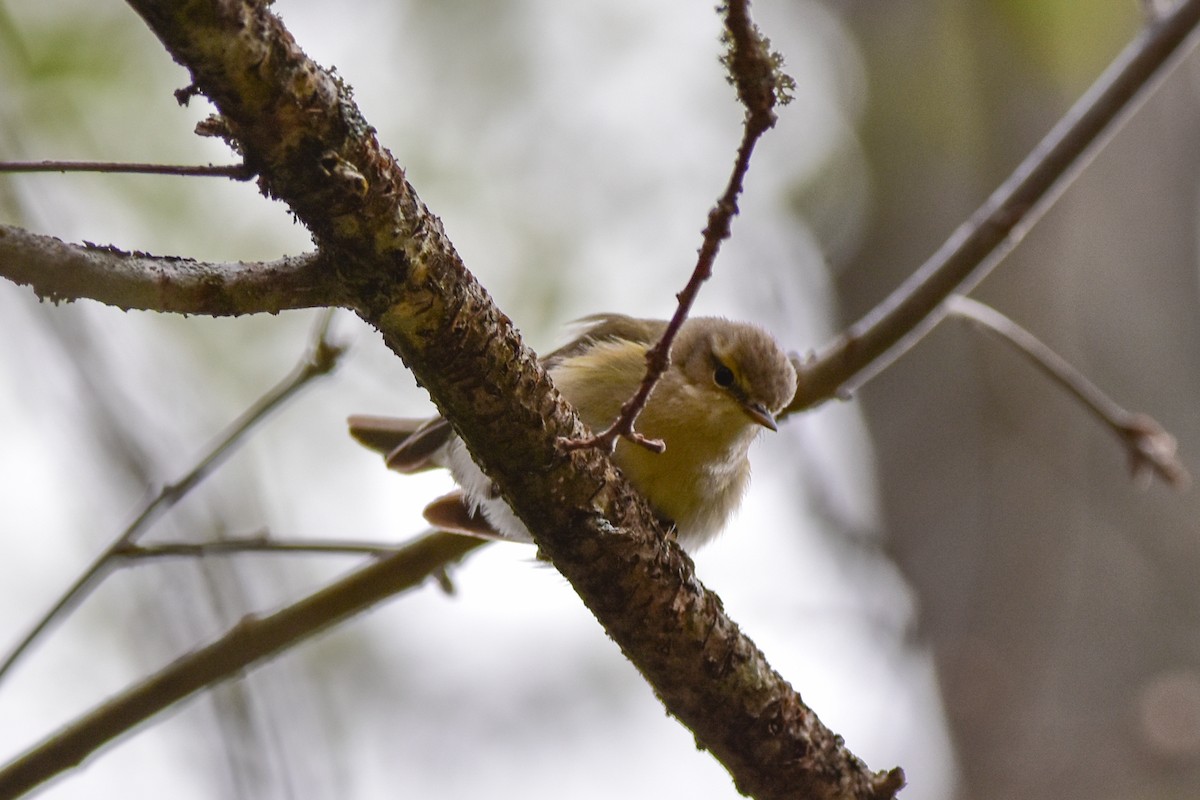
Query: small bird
{"points": [[726, 382]]}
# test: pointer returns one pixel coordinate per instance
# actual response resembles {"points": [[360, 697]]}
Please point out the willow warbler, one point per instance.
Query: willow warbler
{"points": [[726, 382]]}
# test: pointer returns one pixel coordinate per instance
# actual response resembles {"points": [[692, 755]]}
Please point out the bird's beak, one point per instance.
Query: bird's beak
{"points": [[759, 413]]}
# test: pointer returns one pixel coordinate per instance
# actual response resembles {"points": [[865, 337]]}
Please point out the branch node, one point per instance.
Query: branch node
{"points": [[184, 96], [1152, 451]]}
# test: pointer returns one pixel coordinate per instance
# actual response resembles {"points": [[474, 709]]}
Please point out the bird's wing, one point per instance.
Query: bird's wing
{"points": [[608, 327], [410, 445]]}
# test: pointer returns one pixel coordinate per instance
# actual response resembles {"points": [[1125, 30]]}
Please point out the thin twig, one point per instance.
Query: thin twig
{"points": [[251, 641], [255, 544], [914, 307], [755, 72], [321, 359], [1151, 450], [237, 172]]}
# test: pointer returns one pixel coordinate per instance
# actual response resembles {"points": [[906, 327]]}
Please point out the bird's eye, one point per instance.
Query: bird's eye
{"points": [[723, 376]]}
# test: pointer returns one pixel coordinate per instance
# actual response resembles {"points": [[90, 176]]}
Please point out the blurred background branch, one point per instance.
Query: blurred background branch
{"points": [[320, 360], [1151, 450], [253, 640]]}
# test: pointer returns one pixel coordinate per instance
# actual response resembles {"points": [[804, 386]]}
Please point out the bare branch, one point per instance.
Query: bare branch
{"points": [[250, 642], [260, 543], [1151, 450], [320, 360], [59, 272], [910, 311], [237, 172], [754, 70]]}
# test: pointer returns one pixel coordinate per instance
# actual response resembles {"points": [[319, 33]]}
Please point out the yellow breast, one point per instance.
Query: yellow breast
{"points": [[700, 478]]}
